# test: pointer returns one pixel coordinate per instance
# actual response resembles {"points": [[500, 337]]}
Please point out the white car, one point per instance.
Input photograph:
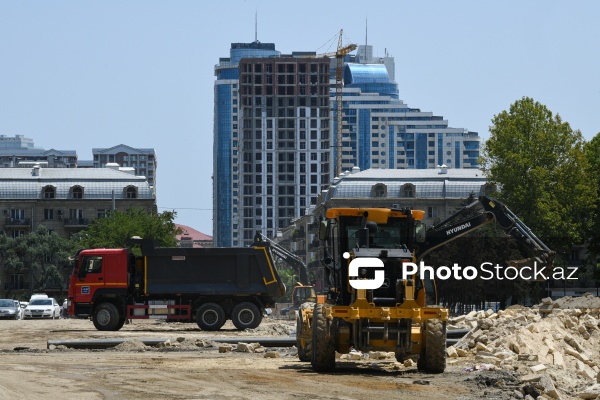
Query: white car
{"points": [[42, 308]]}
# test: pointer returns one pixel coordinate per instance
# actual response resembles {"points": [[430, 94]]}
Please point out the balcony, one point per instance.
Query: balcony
{"points": [[19, 223], [76, 222]]}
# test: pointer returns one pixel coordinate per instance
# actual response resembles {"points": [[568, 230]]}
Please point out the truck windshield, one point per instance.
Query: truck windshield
{"points": [[385, 236], [91, 264]]}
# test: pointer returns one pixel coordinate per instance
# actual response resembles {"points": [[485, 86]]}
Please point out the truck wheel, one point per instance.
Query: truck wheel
{"points": [[303, 344], [323, 341], [246, 316], [106, 317], [433, 350], [121, 323], [210, 317]]}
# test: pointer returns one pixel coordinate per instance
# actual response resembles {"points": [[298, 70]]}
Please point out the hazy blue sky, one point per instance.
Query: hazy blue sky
{"points": [[81, 74]]}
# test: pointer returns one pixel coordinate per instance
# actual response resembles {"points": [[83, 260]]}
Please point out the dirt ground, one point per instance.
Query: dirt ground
{"points": [[31, 370]]}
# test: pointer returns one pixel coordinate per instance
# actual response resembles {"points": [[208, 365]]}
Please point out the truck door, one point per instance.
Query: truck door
{"points": [[89, 278]]}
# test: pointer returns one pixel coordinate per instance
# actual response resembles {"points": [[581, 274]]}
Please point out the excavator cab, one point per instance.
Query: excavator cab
{"points": [[302, 294]]}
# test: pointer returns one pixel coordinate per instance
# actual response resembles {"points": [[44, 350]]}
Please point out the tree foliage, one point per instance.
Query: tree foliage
{"points": [[41, 256], [540, 164], [592, 151], [115, 230]]}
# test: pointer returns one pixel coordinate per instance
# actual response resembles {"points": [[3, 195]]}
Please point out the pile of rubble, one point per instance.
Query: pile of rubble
{"points": [[553, 346]]}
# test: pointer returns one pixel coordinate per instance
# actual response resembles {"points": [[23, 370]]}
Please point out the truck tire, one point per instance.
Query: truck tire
{"points": [[210, 317], [121, 322], [304, 345], [246, 315], [106, 317], [323, 341], [433, 350]]}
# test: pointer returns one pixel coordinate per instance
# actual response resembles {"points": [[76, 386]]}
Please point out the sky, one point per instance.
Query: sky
{"points": [[76, 75]]}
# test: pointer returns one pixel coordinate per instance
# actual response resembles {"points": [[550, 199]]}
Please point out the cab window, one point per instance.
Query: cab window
{"points": [[90, 265]]}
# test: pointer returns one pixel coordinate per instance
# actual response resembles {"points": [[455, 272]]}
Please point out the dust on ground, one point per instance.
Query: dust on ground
{"points": [[501, 358]]}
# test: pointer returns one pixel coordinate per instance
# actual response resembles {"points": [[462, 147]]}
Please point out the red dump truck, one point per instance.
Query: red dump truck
{"points": [[208, 286]]}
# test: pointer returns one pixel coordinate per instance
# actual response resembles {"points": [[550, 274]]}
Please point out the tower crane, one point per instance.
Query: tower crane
{"points": [[341, 52]]}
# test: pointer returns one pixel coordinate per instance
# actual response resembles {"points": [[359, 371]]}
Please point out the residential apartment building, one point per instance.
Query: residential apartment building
{"points": [[272, 147], [381, 131], [64, 200], [19, 151], [143, 161]]}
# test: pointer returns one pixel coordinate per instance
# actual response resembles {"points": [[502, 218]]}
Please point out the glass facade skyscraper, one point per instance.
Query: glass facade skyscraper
{"points": [[381, 131]]}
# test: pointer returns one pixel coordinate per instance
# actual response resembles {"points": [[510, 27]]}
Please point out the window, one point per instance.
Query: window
{"points": [[102, 213], [77, 192], [131, 192], [91, 264], [432, 212], [49, 192], [379, 190], [408, 190], [76, 213], [48, 213]]}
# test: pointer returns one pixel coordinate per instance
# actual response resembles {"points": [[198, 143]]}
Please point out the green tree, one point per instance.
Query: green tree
{"points": [[540, 164], [42, 256], [114, 230], [592, 152]]}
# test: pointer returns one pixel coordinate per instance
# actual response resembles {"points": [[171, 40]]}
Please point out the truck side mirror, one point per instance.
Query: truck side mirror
{"points": [[323, 231]]}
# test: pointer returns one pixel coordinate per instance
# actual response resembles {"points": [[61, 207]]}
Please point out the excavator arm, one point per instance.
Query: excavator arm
{"points": [[290, 258], [490, 210]]}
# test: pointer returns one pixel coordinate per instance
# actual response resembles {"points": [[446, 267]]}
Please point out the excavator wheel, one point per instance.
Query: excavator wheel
{"points": [[303, 344], [323, 341], [433, 350]]}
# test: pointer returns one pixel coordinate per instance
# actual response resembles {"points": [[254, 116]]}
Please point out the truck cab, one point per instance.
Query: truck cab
{"points": [[98, 273]]}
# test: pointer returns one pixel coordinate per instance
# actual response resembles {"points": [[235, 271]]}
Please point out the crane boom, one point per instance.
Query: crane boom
{"points": [[339, 83]]}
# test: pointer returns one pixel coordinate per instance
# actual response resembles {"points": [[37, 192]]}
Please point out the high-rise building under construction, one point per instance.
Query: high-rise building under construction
{"points": [[275, 134]]}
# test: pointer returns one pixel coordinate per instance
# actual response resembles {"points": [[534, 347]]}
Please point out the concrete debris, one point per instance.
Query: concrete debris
{"points": [[451, 352], [381, 355], [591, 392], [408, 363], [250, 348], [225, 348], [204, 343], [272, 354], [553, 346]]}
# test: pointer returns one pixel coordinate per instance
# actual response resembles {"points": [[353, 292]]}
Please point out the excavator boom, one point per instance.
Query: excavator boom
{"points": [[492, 210]]}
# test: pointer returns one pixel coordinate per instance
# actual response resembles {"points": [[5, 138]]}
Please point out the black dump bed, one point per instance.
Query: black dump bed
{"points": [[210, 271]]}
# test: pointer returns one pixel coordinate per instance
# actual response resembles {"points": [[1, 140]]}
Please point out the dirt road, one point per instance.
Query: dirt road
{"points": [[185, 371]]}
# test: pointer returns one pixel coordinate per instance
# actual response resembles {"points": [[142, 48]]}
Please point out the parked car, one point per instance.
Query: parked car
{"points": [[38, 296], [9, 310], [42, 308]]}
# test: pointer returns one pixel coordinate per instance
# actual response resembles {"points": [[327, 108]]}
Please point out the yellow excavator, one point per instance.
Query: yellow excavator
{"points": [[303, 291], [372, 303]]}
